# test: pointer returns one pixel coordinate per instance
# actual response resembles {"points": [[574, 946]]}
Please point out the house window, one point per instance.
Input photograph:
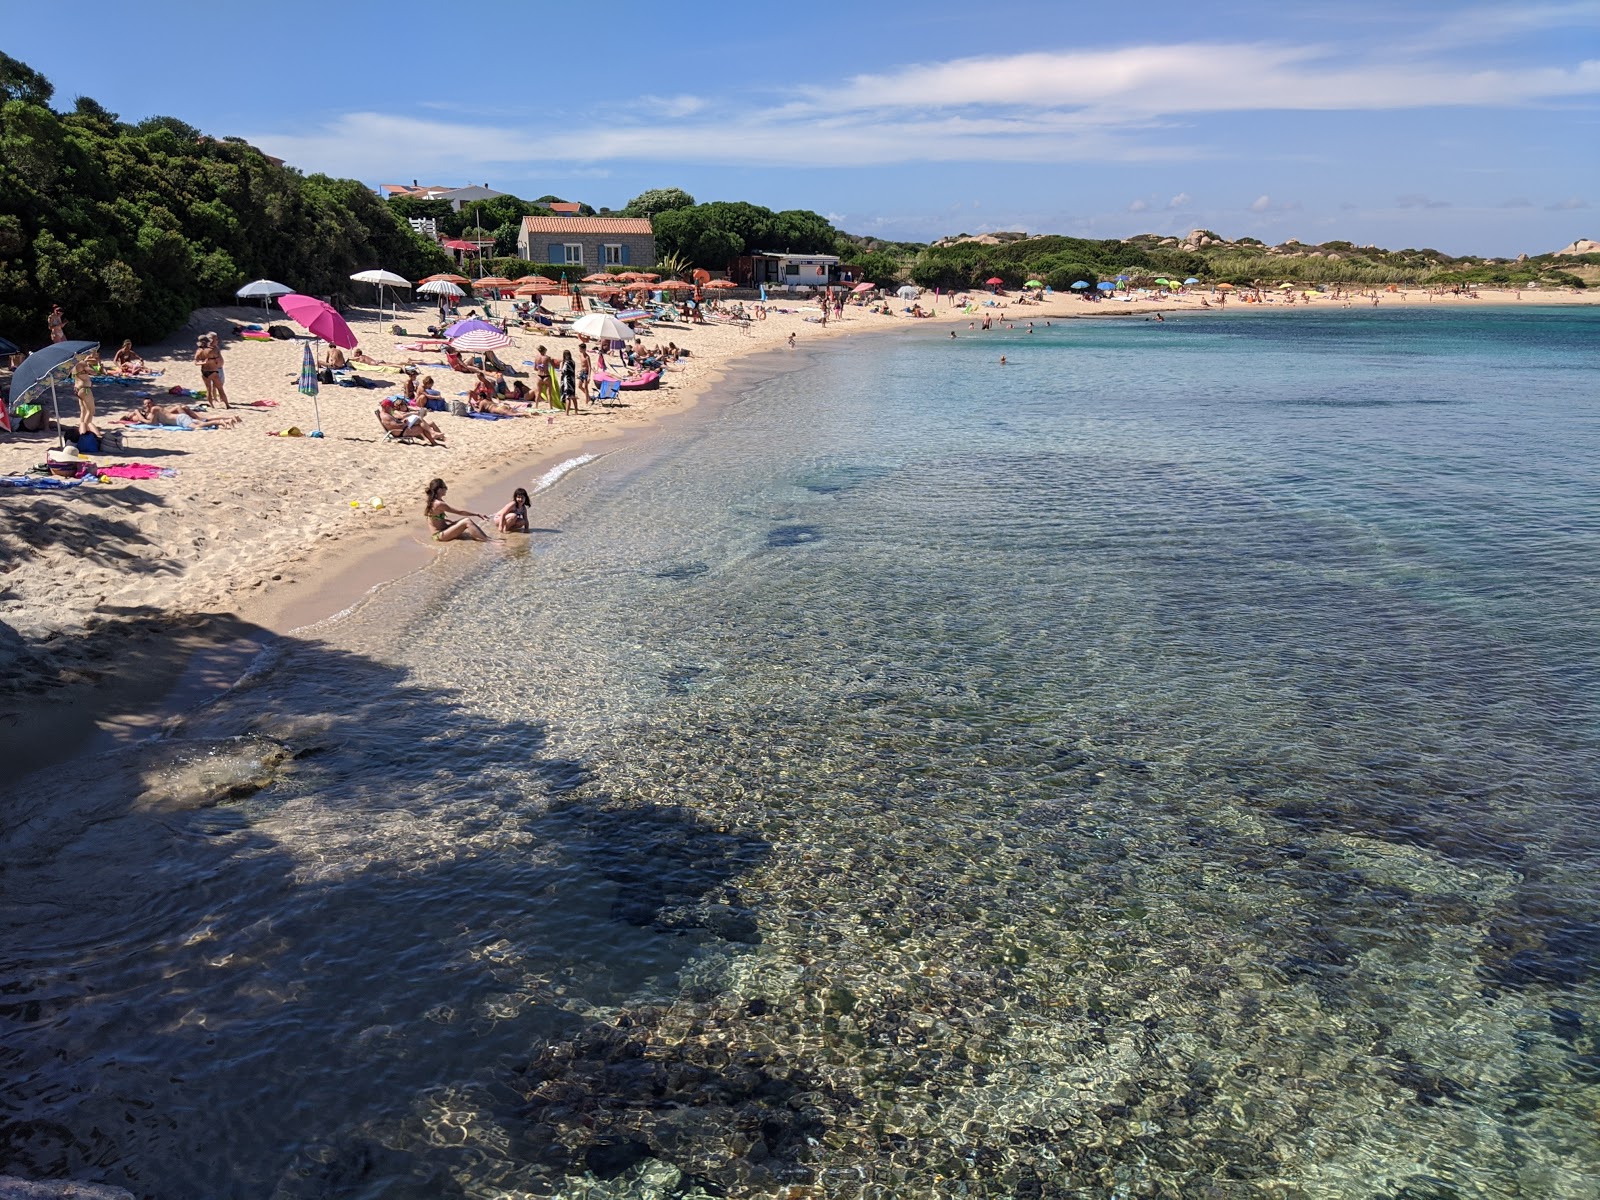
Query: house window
{"points": [[612, 255], [791, 269], [574, 252]]}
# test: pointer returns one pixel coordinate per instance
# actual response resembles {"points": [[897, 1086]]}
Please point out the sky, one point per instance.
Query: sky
{"points": [[1465, 127]]}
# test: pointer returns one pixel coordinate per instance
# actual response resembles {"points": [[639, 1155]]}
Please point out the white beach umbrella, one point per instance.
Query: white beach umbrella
{"points": [[600, 325], [441, 287], [266, 289], [382, 279], [908, 293]]}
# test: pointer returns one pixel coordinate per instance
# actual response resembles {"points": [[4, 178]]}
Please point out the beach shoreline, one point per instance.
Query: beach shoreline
{"points": [[226, 583]]}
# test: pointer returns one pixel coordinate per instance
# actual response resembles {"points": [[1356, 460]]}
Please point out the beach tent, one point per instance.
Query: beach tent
{"points": [[908, 292], [46, 368]]}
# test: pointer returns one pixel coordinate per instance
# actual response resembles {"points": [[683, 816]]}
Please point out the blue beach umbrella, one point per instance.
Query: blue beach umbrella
{"points": [[1106, 286], [1079, 285], [308, 386], [49, 367], [1190, 280]]}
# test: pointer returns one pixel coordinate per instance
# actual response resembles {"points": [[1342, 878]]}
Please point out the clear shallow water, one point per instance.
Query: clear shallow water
{"points": [[1165, 765]]}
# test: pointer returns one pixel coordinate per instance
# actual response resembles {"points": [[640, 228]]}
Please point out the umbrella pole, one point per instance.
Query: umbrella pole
{"points": [[55, 407]]}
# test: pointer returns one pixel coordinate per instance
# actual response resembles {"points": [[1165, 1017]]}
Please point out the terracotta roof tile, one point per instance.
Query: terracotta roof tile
{"points": [[618, 225]]}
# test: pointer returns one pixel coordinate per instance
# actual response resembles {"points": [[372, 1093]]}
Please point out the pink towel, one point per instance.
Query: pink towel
{"points": [[136, 471]]}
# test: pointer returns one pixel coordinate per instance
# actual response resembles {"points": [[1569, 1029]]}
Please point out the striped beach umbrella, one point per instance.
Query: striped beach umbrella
{"points": [[475, 335], [308, 385]]}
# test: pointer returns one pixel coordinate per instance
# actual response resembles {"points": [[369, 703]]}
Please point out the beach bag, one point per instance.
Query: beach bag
{"points": [[437, 406], [88, 444], [325, 375], [458, 408], [282, 332], [29, 417], [111, 441]]}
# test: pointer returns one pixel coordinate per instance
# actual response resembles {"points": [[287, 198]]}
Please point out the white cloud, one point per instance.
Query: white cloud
{"points": [[1418, 200], [1125, 104], [1261, 204], [1570, 204], [1181, 200], [1138, 206]]}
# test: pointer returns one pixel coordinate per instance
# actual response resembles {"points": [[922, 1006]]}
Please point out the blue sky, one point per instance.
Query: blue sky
{"points": [[1470, 128]]}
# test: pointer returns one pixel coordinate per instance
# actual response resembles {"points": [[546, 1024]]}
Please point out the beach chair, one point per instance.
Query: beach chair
{"points": [[394, 431], [610, 389]]}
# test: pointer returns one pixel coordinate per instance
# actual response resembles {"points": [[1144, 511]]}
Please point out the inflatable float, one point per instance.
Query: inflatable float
{"points": [[638, 383]]}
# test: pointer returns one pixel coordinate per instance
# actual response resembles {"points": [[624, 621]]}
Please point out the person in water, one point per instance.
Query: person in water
{"points": [[439, 514], [513, 518]]}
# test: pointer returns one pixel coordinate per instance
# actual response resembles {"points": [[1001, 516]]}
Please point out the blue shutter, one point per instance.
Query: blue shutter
{"points": [[625, 257], [557, 254]]}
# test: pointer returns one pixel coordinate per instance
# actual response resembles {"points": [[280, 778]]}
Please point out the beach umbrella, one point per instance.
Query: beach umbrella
{"points": [[994, 281], [1124, 278], [474, 334], [908, 293], [441, 287], [46, 368], [459, 280], [1079, 284], [308, 386], [863, 287], [600, 325], [597, 277], [632, 314], [382, 279], [674, 285], [526, 279], [265, 289], [722, 283], [1290, 286], [319, 317], [1190, 280], [1106, 286], [7, 346], [1224, 287], [1033, 283]]}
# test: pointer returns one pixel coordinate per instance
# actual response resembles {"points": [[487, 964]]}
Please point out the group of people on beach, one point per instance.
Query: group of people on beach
{"points": [[453, 524]]}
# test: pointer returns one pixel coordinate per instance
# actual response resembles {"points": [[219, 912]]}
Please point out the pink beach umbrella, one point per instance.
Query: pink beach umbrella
{"points": [[319, 318], [476, 335]]}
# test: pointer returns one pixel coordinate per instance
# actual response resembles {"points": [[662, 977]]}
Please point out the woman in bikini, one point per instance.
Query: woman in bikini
{"points": [[513, 518], [439, 516], [128, 362]]}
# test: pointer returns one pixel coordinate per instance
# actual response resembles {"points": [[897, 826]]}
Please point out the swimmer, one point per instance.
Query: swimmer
{"points": [[1002, 360]]}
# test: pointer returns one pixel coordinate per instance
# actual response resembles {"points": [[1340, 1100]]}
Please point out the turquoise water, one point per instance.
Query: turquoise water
{"points": [[1164, 765]]}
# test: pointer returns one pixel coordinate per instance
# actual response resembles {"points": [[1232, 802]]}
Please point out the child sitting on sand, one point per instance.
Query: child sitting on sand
{"points": [[513, 518], [439, 514]]}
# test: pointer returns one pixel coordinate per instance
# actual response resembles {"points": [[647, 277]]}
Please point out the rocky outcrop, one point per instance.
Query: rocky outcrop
{"points": [[1582, 246], [12, 1188]]}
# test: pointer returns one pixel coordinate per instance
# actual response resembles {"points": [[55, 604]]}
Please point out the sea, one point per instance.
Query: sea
{"points": [[1163, 764]]}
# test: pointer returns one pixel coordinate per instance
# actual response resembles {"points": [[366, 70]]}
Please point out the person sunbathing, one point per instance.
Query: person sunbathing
{"points": [[452, 357], [127, 361], [492, 363], [405, 422], [334, 359], [180, 416]]}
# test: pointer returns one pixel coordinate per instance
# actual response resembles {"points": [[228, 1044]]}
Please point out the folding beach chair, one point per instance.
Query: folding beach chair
{"points": [[609, 390]]}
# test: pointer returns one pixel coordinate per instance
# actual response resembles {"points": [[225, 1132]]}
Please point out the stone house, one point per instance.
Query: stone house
{"points": [[592, 243]]}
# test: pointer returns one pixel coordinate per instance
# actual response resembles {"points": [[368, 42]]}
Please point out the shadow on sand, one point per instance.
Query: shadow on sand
{"points": [[336, 934]]}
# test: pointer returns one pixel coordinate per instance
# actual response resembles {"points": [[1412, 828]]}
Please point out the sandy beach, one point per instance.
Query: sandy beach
{"points": [[284, 530]]}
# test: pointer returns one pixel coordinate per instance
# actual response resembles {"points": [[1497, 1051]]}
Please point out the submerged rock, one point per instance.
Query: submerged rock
{"points": [[12, 1188]]}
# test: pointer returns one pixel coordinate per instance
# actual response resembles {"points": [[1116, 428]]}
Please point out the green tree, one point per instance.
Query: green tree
{"points": [[18, 81], [656, 200]]}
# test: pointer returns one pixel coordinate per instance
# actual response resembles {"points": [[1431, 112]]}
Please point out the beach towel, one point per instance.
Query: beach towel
{"points": [[484, 416], [260, 404], [138, 471], [160, 428], [38, 482]]}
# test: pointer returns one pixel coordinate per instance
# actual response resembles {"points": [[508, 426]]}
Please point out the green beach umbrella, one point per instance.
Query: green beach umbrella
{"points": [[308, 385], [1033, 283]]}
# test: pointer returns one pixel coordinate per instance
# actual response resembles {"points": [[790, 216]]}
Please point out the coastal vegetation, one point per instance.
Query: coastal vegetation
{"points": [[131, 227], [1015, 258]]}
